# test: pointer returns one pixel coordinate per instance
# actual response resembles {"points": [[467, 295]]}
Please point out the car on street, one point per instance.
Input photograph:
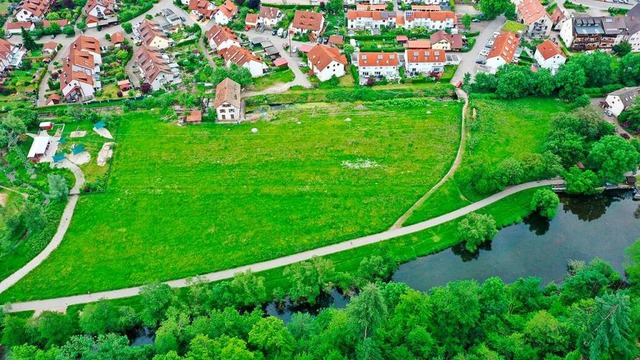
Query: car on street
{"points": [[280, 31], [481, 62], [295, 49], [302, 64], [274, 32], [484, 52], [475, 20], [319, 40]]}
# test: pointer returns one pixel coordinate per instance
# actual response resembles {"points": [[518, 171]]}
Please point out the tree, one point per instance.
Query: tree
{"points": [[509, 172], [630, 117], [581, 182], [612, 156], [127, 27], [570, 81], [14, 331], [248, 289], [81, 25], [272, 337], [484, 82], [629, 69], [545, 202], [546, 333], [476, 229], [621, 49], [122, 55], [309, 278], [69, 30], [377, 268], [609, 334], [155, 299], [102, 317], [33, 216], [367, 310], [335, 6], [27, 40], [58, 189], [494, 8], [466, 21], [53, 328], [253, 4], [597, 68], [543, 83], [512, 84], [632, 266], [145, 88]]}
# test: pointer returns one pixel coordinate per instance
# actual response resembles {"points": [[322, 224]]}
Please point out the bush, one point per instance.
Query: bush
{"points": [[545, 202], [475, 229]]}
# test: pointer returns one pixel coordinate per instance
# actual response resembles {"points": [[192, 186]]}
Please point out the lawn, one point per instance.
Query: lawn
{"points": [[276, 77], [184, 201], [514, 26]]}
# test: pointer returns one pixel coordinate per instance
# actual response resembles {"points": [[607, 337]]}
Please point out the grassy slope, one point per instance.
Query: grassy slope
{"points": [[505, 129], [184, 201]]}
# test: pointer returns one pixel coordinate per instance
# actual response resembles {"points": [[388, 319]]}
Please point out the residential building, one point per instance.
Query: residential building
{"points": [[549, 56], [50, 48], [307, 22], [632, 23], [326, 62], [269, 16], [442, 40], [558, 17], [194, 117], [225, 12], [619, 100], [33, 10], [228, 103], [369, 20], [98, 10], [432, 20], [243, 58], [17, 26], [152, 35], [80, 77], [424, 61], [62, 23], [336, 40], [369, 7], [503, 51], [593, 33], [53, 99], [155, 67], [117, 39], [202, 8], [532, 14], [221, 37], [171, 19], [378, 66], [10, 55], [251, 21]]}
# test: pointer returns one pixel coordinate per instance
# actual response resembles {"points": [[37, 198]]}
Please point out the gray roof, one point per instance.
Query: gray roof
{"points": [[613, 25], [632, 20], [627, 94], [587, 25]]}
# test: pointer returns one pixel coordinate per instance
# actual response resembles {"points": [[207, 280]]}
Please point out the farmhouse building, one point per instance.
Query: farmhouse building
{"points": [[99, 10], [10, 55], [202, 8], [378, 66], [33, 10], [432, 20], [228, 103], [269, 16], [326, 62], [370, 20]]}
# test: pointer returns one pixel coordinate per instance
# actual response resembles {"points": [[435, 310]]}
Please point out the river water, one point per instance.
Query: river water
{"points": [[585, 227]]}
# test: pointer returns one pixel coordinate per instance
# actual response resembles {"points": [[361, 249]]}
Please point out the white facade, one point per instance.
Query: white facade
{"points": [[541, 28], [417, 68], [220, 18], [634, 40], [26, 15], [333, 69], [256, 68], [223, 45], [552, 63], [615, 104], [566, 32], [87, 90], [227, 113], [494, 63], [429, 23], [388, 72]]}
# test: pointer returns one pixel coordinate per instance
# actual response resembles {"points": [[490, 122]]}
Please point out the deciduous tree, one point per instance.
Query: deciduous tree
{"points": [[476, 229], [613, 156], [545, 202]]}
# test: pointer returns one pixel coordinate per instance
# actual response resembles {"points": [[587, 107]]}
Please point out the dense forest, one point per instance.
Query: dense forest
{"points": [[594, 314]]}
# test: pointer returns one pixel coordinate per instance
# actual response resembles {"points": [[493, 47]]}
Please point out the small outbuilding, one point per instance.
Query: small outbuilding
{"points": [[194, 117], [280, 62], [46, 125], [53, 99], [38, 148], [124, 85]]}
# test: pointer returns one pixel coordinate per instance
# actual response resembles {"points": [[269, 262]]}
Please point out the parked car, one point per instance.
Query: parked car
{"points": [[481, 62], [295, 49], [326, 40], [475, 20], [626, 136], [274, 32], [484, 52], [319, 40], [303, 64], [280, 31]]}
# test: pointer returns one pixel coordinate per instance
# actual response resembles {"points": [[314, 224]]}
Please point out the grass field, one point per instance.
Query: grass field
{"points": [[502, 129], [278, 77], [514, 26], [187, 200]]}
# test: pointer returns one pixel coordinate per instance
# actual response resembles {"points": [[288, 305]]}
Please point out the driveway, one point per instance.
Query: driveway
{"points": [[468, 59], [293, 60], [595, 103]]}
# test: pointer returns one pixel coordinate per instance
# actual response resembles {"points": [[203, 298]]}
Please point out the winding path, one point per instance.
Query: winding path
{"points": [[59, 235], [60, 304], [456, 163]]}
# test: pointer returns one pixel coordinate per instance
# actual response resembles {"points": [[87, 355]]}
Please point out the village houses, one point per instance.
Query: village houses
{"points": [[221, 37], [632, 23], [33, 10], [10, 55], [503, 51], [442, 40], [378, 66], [228, 103], [202, 8], [99, 10], [243, 58], [326, 62], [156, 69], [532, 14], [432, 20], [307, 22], [424, 61], [621, 99], [269, 16], [549, 56], [225, 12], [370, 20], [152, 35], [80, 77], [17, 26], [583, 33]]}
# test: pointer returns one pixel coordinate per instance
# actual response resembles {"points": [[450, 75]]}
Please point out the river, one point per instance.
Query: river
{"points": [[585, 227]]}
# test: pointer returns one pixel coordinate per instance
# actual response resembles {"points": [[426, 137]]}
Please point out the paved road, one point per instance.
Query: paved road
{"points": [[59, 235], [468, 63], [456, 163], [60, 304]]}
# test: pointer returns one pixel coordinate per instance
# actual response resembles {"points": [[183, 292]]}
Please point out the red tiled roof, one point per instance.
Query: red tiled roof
{"points": [[321, 56], [425, 56], [54, 98], [50, 45], [204, 7], [505, 46], [454, 39], [268, 12], [251, 19], [336, 39], [151, 62], [378, 59], [220, 34], [549, 49], [433, 15], [531, 11], [426, 8], [307, 20], [194, 116], [375, 15], [61, 23], [238, 55], [365, 7], [228, 9], [117, 38], [149, 30], [418, 44], [228, 91], [19, 24]]}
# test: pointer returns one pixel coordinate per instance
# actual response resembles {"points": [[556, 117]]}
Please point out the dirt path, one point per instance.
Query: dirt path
{"points": [[456, 163], [60, 304], [57, 237]]}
